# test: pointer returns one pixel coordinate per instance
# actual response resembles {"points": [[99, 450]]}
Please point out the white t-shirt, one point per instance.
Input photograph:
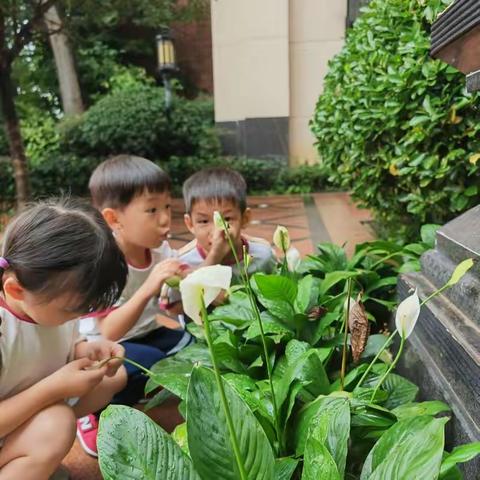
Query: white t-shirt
{"points": [[30, 352], [136, 278]]}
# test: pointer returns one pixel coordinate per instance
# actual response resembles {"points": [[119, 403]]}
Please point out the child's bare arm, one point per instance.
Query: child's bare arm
{"points": [[116, 324], [72, 380]]}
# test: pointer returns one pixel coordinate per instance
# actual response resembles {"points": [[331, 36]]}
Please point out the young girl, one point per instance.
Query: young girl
{"points": [[59, 260]]}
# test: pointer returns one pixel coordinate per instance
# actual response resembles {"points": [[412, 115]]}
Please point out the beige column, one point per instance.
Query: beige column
{"points": [[269, 61], [250, 59], [317, 31]]}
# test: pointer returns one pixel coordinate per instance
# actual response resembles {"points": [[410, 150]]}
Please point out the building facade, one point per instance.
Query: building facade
{"points": [[269, 61]]}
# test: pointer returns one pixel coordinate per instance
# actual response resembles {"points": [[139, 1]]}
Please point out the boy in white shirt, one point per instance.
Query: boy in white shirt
{"points": [[133, 195], [223, 190]]}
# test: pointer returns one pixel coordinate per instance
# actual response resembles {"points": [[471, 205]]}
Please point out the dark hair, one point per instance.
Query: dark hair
{"points": [[217, 183], [116, 181], [65, 246]]}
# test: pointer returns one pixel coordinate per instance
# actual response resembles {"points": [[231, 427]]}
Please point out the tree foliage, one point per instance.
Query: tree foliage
{"points": [[395, 126]]}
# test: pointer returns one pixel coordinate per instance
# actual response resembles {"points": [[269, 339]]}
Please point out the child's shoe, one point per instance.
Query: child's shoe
{"points": [[87, 429]]}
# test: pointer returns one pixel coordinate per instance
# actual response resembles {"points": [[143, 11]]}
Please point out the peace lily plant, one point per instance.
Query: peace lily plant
{"points": [[279, 385]]}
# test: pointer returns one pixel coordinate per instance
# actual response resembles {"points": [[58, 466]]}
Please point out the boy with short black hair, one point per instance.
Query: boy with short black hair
{"points": [[133, 195], [223, 190]]}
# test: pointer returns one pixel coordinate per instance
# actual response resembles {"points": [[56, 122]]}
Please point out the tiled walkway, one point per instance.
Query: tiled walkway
{"points": [[310, 219]]}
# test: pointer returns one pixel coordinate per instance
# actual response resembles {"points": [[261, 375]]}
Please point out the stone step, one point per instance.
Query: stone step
{"points": [[442, 357]]}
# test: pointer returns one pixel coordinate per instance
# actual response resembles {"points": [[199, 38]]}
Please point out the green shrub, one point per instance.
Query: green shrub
{"points": [[260, 175], [301, 179], [396, 127], [50, 176], [136, 121]]}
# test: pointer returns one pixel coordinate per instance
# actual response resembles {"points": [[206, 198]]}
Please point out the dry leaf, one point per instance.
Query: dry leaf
{"points": [[359, 327]]}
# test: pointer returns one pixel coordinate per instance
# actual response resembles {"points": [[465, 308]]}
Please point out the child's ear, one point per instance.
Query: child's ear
{"points": [[111, 217], [246, 217], [188, 222], [12, 288]]}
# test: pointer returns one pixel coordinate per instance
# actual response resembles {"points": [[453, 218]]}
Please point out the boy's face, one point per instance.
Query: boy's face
{"points": [[200, 221], [145, 221]]}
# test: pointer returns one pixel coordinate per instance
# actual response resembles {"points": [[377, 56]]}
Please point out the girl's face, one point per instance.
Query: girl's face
{"points": [[50, 312], [54, 312]]}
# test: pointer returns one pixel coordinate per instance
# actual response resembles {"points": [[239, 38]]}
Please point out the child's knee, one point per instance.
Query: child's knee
{"points": [[56, 425]]}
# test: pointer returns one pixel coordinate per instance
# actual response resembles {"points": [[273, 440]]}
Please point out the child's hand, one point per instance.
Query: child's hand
{"points": [[163, 270], [73, 380], [220, 247], [103, 350]]}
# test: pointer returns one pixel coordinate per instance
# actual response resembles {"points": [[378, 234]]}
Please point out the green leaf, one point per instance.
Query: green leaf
{"points": [[206, 421], [460, 454], [331, 279], [173, 373], [412, 448], [335, 413], [433, 407], [271, 327], [374, 344], [452, 474], [307, 294], [277, 294], [461, 269], [237, 311], [318, 463], [400, 390], [132, 446], [284, 468], [180, 436], [333, 430], [308, 369], [158, 399]]}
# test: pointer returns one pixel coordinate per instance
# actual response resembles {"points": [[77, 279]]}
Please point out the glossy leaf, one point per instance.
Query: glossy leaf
{"points": [[460, 454], [132, 446], [318, 463], [412, 448], [206, 421], [284, 468], [433, 407]]}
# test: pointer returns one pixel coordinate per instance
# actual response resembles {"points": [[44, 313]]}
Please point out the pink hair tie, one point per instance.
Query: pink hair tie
{"points": [[4, 263]]}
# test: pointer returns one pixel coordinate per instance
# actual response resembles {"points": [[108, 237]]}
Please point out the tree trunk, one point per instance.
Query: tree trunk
{"points": [[12, 126], [65, 64]]}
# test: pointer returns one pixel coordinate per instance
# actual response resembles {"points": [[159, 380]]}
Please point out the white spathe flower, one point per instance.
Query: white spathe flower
{"points": [[407, 315], [206, 282], [281, 238], [293, 259], [218, 220]]}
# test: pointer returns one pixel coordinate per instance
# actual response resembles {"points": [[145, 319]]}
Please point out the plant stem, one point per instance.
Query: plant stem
{"points": [[276, 415], [434, 294], [392, 366], [372, 363], [246, 281], [135, 364], [223, 398], [345, 336]]}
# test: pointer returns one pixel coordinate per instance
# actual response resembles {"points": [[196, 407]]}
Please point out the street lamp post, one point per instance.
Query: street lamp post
{"points": [[166, 63]]}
